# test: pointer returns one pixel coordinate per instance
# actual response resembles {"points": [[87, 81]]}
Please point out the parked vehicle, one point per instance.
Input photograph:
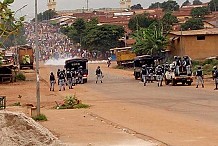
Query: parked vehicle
{"points": [[142, 60], [26, 58], [123, 55], [184, 76], [76, 63]]}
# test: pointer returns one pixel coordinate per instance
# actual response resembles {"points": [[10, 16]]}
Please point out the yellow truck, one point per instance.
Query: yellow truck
{"points": [[26, 57], [123, 55]]}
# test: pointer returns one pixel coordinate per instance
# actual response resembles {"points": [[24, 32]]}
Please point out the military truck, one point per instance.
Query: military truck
{"points": [[142, 60], [179, 73], [76, 63], [26, 57], [123, 56]]}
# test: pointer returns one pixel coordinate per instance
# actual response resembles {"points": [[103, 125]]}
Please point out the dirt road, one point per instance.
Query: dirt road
{"points": [[180, 115]]}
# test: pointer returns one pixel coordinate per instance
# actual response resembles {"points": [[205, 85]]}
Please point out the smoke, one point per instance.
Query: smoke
{"points": [[61, 61], [56, 62]]}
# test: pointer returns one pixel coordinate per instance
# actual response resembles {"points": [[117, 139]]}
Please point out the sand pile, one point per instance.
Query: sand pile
{"points": [[16, 129]]}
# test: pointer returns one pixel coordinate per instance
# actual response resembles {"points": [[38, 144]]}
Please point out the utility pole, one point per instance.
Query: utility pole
{"points": [[37, 60]]}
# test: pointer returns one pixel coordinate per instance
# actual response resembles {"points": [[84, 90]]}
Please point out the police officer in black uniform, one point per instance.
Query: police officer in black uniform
{"points": [[62, 80], [73, 76], [215, 77], [144, 74], [69, 78], [199, 76]]}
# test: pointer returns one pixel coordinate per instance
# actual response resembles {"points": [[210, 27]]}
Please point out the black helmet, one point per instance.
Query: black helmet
{"points": [[98, 66], [51, 73], [199, 67]]}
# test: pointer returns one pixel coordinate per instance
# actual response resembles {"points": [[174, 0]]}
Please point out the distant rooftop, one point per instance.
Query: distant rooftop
{"points": [[211, 31]]}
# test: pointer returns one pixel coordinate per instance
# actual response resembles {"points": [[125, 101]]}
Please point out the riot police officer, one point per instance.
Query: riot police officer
{"points": [[99, 74], [58, 72], [61, 80], [52, 81], [159, 74], [215, 77], [80, 75], [144, 74], [199, 76], [69, 78], [73, 76]]}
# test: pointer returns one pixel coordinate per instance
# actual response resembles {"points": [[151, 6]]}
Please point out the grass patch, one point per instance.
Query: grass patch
{"points": [[80, 105], [40, 117], [20, 76], [71, 102]]}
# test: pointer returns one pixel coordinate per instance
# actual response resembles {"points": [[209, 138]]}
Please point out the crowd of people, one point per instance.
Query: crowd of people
{"points": [[54, 44]]}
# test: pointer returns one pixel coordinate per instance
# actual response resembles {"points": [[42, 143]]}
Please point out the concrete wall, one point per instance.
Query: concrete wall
{"points": [[196, 49]]}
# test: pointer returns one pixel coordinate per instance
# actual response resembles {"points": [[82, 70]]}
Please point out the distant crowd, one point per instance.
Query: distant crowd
{"points": [[53, 44]]}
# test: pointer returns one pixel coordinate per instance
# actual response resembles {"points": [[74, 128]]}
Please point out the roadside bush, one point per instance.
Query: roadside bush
{"points": [[20, 76], [71, 102], [40, 117], [207, 65]]}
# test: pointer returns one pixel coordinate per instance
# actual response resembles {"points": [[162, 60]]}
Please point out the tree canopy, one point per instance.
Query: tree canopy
{"points": [[213, 5], [102, 38], [135, 7], [150, 40], [197, 2], [46, 15], [199, 12], [193, 24], [8, 24], [140, 20], [169, 5], [168, 20], [93, 36]]}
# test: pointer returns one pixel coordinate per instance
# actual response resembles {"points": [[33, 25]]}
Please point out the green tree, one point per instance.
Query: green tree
{"points": [[186, 3], [135, 7], [8, 24], [213, 5], [193, 24], [199, 12], [150, 40], [103, 37], [155, 5], [46, 15], [168, 20], [140, 20], [197, 2], [15, 39], [170, 5]]}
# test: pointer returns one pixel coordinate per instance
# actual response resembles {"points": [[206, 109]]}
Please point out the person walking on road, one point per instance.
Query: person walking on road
{"points": [[61, 81], [52, 81], [99, 75], [58, 72], [199, 76], [144, 73], [215, 77], [159, 73], [69, 78]]}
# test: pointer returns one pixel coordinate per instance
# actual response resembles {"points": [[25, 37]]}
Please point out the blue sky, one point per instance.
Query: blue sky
{"points": [[75, 4]]}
